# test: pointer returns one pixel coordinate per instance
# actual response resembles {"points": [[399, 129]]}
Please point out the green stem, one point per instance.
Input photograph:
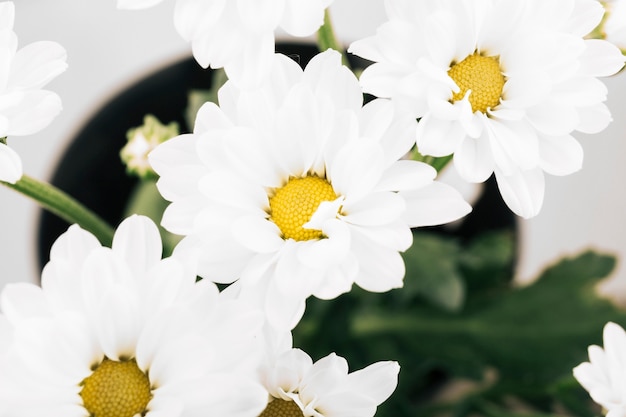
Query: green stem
{"points": [[64, 206], [326, 38]]}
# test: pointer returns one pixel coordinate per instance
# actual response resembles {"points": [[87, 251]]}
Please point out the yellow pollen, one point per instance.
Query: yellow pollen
{"points": [[483, 76], [116, 389], [294, 204], [282, 408]]}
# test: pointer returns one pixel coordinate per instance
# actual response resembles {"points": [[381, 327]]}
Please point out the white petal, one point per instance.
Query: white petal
{"points": [[258, 234], [561, 155], [283, 312], [396, 235], [522, 191], [377, 381], [434, 204], [374, 209], [32, 111], [10, 165], [594, 119], [260, 15], [380, 269], [357, 169], [552, 118], [253, 63], [7, 15], [222, 187], [473, 159], [37, 64], [438, 137], [329, 78], [601, 58], [210, 117], [192, 17], [22, 301], [328, 251], [137, 240], [117, 326], [406, 175], [303, 18]]}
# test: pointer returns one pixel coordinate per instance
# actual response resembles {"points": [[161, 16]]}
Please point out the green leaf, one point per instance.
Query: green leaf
{"points": [[488, 260], [432, 271], [531, 336]]}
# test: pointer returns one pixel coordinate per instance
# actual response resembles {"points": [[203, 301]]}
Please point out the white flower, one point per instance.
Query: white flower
{"points": [[238, 35], [499, 84], [297, 190], [119, 332], [614, 26], [604, 376], [299, 387], [24, 107]]}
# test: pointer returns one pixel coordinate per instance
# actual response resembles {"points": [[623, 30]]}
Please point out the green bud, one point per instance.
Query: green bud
{"points": [[141, 141]]}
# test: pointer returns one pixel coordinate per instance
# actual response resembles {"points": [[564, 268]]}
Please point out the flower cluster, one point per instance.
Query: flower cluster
{"points": [[292, 186]]}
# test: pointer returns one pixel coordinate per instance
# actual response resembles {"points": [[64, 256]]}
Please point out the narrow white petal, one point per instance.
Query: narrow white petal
{"points": [[137, 240], [522, 191], [473, 160]]}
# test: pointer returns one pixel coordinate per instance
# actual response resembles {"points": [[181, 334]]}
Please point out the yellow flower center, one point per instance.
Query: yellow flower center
{"points": [[282, 408], [116, 389], [482, 75], [293, 205]]}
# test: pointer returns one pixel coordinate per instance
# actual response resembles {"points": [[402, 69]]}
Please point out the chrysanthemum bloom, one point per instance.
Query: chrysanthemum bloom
{"points": [[239, 35], [297, 190], [604, 376], [499, 84], [300, 388], [24, 107], [120, 333]]}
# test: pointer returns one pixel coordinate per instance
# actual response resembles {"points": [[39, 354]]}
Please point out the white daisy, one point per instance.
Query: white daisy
{"points": [[24, 107], [120, 333], [300, 388], [298, 190], [499, 84], [239, 35], [604, 376]]}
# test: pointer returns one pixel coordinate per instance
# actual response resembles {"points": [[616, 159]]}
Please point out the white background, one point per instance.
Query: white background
{"points": [[110, 49]]}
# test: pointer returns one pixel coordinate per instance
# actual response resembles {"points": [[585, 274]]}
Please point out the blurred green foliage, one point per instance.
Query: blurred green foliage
{"points": [[470, 342]]}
